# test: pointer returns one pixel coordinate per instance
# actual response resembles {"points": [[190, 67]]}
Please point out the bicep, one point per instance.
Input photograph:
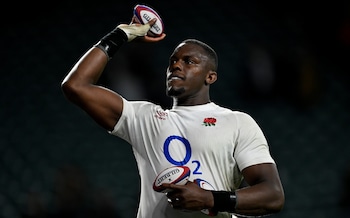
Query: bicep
{"points": [[79, 86], [103, 105], [261, 173], [264, 193]]}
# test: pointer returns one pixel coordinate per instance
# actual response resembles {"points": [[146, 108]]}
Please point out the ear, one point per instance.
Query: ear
{"points": [[211, 77]]}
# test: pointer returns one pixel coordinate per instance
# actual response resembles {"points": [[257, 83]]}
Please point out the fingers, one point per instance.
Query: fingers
{"points": [[175, 202], [152, 21], [175, 199], [147, 38], [133, 20], [168, 185]]}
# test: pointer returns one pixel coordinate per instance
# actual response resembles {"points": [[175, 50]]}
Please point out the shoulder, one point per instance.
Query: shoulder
{"points": [[140, 108], [241, 118], [236, 113], [140, 104]]}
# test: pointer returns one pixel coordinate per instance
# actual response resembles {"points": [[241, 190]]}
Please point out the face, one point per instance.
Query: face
{"points": [[187, 71]]}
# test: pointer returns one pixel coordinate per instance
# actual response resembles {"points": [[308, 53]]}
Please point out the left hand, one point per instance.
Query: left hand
{"points": [[145, 37], [189, 197]]}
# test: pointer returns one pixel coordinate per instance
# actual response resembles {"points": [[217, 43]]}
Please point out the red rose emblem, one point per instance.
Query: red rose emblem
{"points": [[209, 121]]}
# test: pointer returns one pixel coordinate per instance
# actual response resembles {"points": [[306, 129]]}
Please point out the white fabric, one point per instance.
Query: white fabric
{"points": [[215, 152], [134, 30]]}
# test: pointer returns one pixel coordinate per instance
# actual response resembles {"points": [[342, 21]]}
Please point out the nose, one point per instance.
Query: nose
{"points": [[175, 65]]}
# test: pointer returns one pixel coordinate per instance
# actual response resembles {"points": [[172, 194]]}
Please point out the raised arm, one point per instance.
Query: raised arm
{"points": [[79, 86]]}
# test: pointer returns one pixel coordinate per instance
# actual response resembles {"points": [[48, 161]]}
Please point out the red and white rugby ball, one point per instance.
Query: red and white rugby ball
{"points": [[144, 14], [178, 175]]}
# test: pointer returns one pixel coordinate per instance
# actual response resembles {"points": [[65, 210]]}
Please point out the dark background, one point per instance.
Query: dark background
{"points": [[284, 62]]}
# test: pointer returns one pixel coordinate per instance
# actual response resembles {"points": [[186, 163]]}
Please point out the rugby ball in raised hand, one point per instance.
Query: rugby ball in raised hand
{"points": [[144, 14], [178, 175]]}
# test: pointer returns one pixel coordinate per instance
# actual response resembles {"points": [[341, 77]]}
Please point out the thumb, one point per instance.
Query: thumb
{"points": [[152, 21]]}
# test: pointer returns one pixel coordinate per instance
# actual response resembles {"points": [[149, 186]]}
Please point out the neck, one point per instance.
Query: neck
{"points": [[189, 102]]}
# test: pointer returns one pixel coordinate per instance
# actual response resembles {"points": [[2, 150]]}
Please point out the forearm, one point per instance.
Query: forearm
{"points": [[88, 69], [92, 63], [259, 199], [85, 73]]}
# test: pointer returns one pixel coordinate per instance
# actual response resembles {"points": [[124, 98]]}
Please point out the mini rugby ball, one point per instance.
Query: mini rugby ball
{"points": [[178, 175], [144, 14], [203, 184], [207, 186]]}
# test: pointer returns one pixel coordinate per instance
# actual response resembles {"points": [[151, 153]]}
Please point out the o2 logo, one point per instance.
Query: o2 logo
{"points": [[187, 156]]}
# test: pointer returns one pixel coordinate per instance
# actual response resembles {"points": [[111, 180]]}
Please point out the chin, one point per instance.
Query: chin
{"points": [[172, 92]]}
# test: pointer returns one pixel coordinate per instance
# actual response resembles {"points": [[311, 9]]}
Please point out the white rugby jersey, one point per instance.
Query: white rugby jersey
{"points": [[216, 143]]}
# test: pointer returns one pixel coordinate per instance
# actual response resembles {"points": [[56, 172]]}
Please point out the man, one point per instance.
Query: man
{"points": [[220, 146]]}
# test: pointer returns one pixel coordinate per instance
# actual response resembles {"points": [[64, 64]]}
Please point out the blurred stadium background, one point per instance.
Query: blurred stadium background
{"points": [[284, 62]]}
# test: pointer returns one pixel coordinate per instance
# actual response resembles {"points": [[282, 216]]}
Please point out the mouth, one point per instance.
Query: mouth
{"points": [[173, 78]]}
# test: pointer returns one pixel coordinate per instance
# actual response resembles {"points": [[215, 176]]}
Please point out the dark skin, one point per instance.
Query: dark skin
{"points": [[189, 76], [263, 196]]}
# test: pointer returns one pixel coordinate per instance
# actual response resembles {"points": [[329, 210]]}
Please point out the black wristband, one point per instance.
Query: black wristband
{"points": [[224, 201], [111, 42]]}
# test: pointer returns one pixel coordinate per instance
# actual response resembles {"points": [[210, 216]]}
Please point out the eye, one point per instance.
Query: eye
{"points": [[172, 61], [189, 61]]}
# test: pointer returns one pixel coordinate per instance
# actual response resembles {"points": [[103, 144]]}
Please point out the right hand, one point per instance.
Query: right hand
{"points": [[136, 30], [189, 197]]}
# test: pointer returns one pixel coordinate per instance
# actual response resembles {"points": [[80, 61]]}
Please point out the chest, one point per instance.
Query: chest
{"points": [[185, 136]]}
